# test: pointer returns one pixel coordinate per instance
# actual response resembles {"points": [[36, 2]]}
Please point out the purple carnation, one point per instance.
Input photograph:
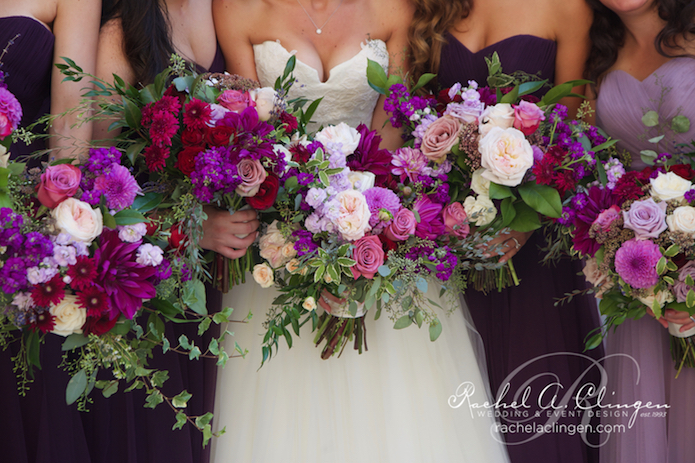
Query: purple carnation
{"points": [[379, 200], [636, 261], [118, 186]]}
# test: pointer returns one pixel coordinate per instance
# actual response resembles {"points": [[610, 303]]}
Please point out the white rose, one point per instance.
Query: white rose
{"points": [[309, 303], [599, 279], [501, 115], [479, 184], [361, 181], [263, 275], [682, 220], [667, 186], [506, 155], [480, 210], [69, 316], [341, 137], [662, 298], [265, 101], [4, 156], [283, 152], [77, 219], [353, 220]]}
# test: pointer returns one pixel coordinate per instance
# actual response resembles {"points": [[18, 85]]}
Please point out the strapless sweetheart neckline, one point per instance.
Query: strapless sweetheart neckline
{"points": [[495, 44], [331, 72], [30, 19], [651, 74]]}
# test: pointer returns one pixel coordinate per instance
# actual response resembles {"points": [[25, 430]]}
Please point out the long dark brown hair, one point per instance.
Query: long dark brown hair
{"points": [[431, 20], [608, 34], [146, 35]]}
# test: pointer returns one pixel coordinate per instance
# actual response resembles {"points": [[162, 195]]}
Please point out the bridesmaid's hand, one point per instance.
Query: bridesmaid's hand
{"points": [[510, 244], [661, 320], [221, 231], [325, 295], [680, 317]]}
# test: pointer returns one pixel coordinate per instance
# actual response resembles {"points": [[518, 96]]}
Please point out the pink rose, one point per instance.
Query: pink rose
{"points": [[607, 217], [456, 220], [402, 226], [234, 100], [527, 117], [58, 183], [440, 137], [252, 175], [5, 126], [369, 256]]}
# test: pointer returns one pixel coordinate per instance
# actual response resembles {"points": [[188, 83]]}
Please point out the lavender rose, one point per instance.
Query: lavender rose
{"points": [[58, 183], [680, 288], [440, 137], [647, 218], [402, 226]]}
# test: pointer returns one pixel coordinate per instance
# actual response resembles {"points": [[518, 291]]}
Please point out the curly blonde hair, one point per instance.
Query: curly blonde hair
{"points": [[431, 20]]}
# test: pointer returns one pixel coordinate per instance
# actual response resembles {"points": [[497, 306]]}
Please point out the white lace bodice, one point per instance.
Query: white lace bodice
{"points": [[347, 96]]}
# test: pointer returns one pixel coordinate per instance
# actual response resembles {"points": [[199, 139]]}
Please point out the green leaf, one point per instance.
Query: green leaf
{"points": [[508, 211], [76, 386], [133, 115], [111, 389], [194, 296], [153, 399], [599, 255], [324, 178], [109, 221], [526, 219], [147, 202], [180, 421], [672, 250], [422, 81], [403, 322], [384, 270], [319, 273], [555, 94], [604, 145], [500, 191], [181, 400], [129, 217], [594, 341], [376, 77], [435, 331], [690, 299], [680, 124], [346, 262], [603, 178], [511, 96], [74, 341], [661, 265], [159, 378], [531, 87], [204, 325], [656, 139], [33, 346], [650, 118], [421, 285], [542, 198]]}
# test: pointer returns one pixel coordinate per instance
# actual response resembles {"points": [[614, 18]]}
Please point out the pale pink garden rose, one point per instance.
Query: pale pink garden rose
{"points": [[506, 155], [340, 137], [77, 219], [501, 115], [272, 244], [456, 220], [252, 174], [235, 100], [596, 277], [527, 117], [264, 100], [402, 226], [368, 255], [69, 316], [263, 275], [440, 137], [353, 221]]}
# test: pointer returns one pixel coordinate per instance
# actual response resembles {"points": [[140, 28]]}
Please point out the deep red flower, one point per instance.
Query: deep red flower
{"points": [[648, 172], [178, 240], [266, 195], [94, 300], [45, 321], [172, 91], [683, 170], [156, 156], [168, 103], [197, 114], [289, 121], [186, 159], [219, 136], [300, 154], [82, 273], [389, 245], [51, 292], [99, 325], [147, 112], [565, 182], [194, 137], [163, 128], [627, 187]]}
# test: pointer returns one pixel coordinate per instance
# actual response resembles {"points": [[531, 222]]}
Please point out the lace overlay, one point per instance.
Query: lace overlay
{"points": [[347, 96]]}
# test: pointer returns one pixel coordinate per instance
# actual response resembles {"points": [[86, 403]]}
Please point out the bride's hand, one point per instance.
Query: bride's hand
{"points": [[221, 228], [513, 241], [325, 295], [679, 317]]}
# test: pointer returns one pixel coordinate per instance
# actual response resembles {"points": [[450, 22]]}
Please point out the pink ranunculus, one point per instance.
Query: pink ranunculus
{"points": [[527, 117], [456, 220], [234, 100], [58, 183], [5, 126], [440, 136], [607, 217], [252, 174], [402, 226], [369, 256]]}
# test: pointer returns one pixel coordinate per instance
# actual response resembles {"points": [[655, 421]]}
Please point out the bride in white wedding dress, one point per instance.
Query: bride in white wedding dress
{"points": [[392, 403]]}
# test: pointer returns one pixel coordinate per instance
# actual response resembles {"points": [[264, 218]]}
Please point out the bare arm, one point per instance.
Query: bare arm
{"points": [[232, 36], [76, 29]]}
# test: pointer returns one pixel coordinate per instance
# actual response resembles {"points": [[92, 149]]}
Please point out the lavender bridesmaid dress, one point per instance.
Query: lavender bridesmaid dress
{"points": [[659, 438], [522, 324]]}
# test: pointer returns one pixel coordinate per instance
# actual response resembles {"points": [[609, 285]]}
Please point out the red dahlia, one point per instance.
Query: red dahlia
{"points": [[82, 273], [45, 321], [94, 300], [51, 292]]}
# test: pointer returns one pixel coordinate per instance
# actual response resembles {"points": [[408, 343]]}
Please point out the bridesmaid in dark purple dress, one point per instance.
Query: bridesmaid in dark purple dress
{"points": [[635, 76], [522, 324]]}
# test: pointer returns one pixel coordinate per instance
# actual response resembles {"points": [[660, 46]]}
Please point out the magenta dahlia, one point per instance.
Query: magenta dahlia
{"points": [[636, 261]]}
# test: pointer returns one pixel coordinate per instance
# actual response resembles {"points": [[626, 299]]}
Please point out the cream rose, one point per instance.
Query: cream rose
{"points": [[341, 137], [353, 220], [309, 303], [263, 275], [481, 211], [506, 155], [288, 251], [501, 115], [361, 181], [682, 220], [292, 266], [79, 220], [667, 186], [599, 279], [271, 244], [69, 316], [265, 101], [479, 184], [662, 298]]}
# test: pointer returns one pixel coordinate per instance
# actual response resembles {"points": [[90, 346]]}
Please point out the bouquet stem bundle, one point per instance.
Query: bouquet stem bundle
{"points": [[337, 331]]}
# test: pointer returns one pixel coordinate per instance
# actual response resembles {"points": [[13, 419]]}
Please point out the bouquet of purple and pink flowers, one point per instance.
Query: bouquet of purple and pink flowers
{"points": [[637, 232], [359, 227]]}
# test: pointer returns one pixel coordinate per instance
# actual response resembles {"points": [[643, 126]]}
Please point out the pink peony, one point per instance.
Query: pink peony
{"points": [[10, 112], [456, 220], [527, 117], [636, 261], [58, 183], [369, 256], [402, 226]]}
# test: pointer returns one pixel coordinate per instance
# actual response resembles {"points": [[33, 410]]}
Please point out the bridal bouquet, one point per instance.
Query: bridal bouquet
{"points": [[498, 144], [359, 227]]}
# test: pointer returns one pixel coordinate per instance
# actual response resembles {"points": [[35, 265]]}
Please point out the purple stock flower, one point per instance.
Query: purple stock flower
{"points": [[690, 196], [304, 243], [636, 261], [13, 275], [102, 158]]}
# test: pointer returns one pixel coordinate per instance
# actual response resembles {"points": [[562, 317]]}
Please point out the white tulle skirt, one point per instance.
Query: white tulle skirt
{"points": [[390, 404]]}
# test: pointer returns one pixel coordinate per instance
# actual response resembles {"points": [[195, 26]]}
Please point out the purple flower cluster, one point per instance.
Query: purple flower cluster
{"points": [[10, 110], [383, 205], [304, 243], [214, 172], [402, 105], [636, 261], [103, 175], [443, 260], [690, 196]]}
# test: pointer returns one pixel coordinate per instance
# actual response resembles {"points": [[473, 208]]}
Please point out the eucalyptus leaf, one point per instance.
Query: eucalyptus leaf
{"points": [[76, 386], [403, 322], [650, 118], [435, 330], [680, 124]]}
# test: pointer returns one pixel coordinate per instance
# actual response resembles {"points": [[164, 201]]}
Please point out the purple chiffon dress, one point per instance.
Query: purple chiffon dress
{"points": [[659, 437], [522, 324], [40, 427]]}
